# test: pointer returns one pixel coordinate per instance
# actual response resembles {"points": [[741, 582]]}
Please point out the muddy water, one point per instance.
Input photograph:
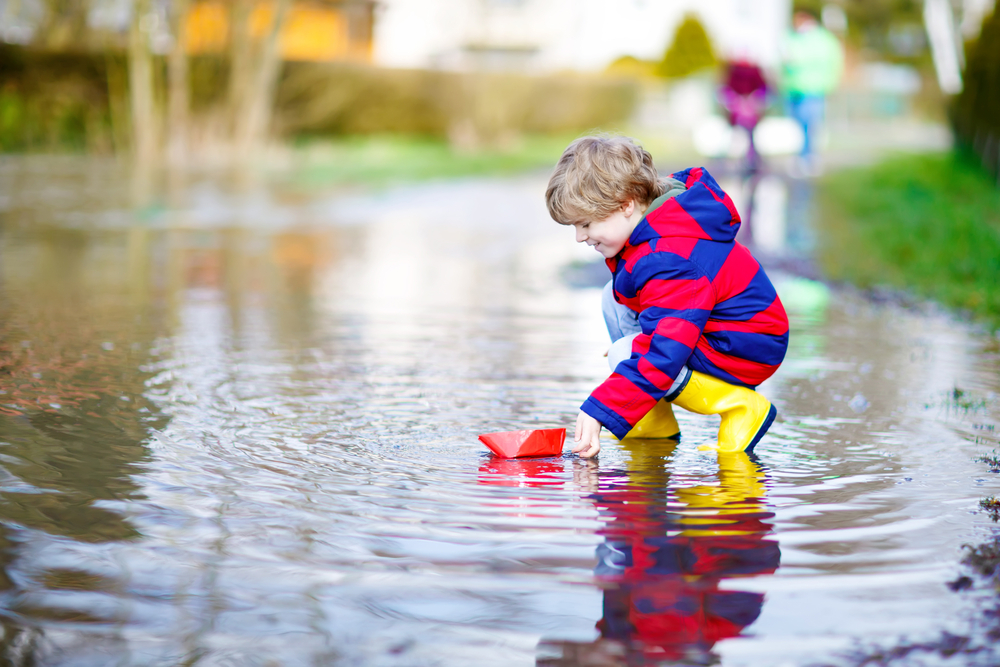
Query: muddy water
{"points": [[239, 427]]}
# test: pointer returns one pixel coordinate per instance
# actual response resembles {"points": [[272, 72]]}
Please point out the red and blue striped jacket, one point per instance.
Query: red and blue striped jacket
{"points": [[702, 299]]}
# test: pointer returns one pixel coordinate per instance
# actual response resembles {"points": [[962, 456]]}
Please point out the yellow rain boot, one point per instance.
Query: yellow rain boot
{"points": [[746, 415], [658, 423]]}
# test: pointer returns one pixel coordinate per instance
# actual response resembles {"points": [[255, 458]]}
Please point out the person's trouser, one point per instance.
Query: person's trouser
{"points": [[808, 111], [623, 327]]}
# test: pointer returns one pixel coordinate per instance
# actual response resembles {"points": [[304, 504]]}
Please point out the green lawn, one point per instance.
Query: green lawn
{"points": [[389, 159], [929, 224]]}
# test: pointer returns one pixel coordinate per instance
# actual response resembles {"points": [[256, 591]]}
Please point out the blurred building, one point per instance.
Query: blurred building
{"points": [[314, 30], [553, 35]]}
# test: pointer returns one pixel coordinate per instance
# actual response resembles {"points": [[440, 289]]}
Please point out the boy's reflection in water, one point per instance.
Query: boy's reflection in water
{"points": [[666, 551]]}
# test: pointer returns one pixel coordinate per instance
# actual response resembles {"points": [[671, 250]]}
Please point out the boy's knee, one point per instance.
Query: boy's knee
{"points": [[620, 350]]}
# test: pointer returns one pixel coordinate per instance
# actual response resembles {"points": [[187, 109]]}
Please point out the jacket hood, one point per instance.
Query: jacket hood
{"points": [[702, 211]]}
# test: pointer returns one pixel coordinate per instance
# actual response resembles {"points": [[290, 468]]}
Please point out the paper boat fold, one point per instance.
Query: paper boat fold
{"points": [[518, 444]]}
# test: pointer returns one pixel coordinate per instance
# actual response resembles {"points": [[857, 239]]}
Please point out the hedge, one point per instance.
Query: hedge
{"points": [[62, 101], [976, 111]]}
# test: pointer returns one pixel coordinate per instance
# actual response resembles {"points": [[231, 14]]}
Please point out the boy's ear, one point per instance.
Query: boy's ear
{"points": [[628, 208]]}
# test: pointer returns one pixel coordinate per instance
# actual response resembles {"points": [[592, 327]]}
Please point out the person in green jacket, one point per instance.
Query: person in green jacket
{"points": [[813, 63]]}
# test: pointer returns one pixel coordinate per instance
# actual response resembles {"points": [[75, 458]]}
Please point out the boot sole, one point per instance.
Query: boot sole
{"points": [[771, 414]]}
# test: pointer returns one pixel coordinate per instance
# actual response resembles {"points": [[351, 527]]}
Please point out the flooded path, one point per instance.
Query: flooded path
{"points": [[241, 429]]}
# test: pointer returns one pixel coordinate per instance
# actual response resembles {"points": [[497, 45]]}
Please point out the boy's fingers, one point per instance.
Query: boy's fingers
{"points": [[588, 436], [594, 446]]}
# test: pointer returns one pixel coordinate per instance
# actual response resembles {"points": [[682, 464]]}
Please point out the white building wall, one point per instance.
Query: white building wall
{"points": [[552, 35]]}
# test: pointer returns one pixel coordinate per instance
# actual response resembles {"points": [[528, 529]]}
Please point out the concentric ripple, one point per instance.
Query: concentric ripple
{"points": [[252, 439]]}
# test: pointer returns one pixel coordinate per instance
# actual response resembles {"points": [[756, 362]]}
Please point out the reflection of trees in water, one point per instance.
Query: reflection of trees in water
{"points": [[667, 549], [73, 420], [83, 316]]}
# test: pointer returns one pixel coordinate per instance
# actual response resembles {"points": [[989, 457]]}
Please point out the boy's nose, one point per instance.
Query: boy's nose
{"points": [[581, 236]]}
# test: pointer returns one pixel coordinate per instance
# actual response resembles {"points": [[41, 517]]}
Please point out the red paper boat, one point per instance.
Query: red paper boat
{"points": [[518, 444]]}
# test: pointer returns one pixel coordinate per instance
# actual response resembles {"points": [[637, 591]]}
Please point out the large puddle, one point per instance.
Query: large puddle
{"points": [[241, 429]]}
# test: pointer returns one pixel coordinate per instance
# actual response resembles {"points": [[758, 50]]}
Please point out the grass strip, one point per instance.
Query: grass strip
{"points": [[929, 224], [380, 160]]}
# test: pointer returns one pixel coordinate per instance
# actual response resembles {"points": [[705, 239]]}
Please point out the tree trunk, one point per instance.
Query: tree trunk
{"points": [[253, 123], [241, 59], [178, 106], [140, 80], [940, 25], [118, 101]]}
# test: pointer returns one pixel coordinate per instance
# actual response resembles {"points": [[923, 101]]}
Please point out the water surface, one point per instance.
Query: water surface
{"points": [[238, 426]]}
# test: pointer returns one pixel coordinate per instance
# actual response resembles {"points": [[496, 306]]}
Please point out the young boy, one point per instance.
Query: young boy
{"points": [[693, 318]]}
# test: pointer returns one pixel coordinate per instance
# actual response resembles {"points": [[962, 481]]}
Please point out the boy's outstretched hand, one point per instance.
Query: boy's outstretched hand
{"points": [[588, 436]]}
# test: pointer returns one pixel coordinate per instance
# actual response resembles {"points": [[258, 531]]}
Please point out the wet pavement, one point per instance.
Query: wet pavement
{"points": [[238, 426]]}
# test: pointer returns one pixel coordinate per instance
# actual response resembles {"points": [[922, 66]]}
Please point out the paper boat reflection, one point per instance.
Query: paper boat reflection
{"points": [[518, 444], [535, 472]]}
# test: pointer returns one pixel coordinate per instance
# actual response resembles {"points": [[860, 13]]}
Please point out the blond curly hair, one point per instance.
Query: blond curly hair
{"points": [[597, 175]]}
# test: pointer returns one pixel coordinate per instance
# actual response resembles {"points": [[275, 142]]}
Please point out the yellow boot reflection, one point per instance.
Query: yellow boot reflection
{"points": [[668, 547], [723, 508]]}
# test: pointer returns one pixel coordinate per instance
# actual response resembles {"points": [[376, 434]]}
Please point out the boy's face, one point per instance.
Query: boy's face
{"points": [[608, 236]]}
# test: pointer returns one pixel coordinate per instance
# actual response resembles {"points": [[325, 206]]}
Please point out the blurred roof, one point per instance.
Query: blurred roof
{"points": [[314, 30]]}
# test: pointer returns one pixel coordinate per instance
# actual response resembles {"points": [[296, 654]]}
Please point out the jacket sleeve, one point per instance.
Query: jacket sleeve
{"points": [[675, 301]]}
